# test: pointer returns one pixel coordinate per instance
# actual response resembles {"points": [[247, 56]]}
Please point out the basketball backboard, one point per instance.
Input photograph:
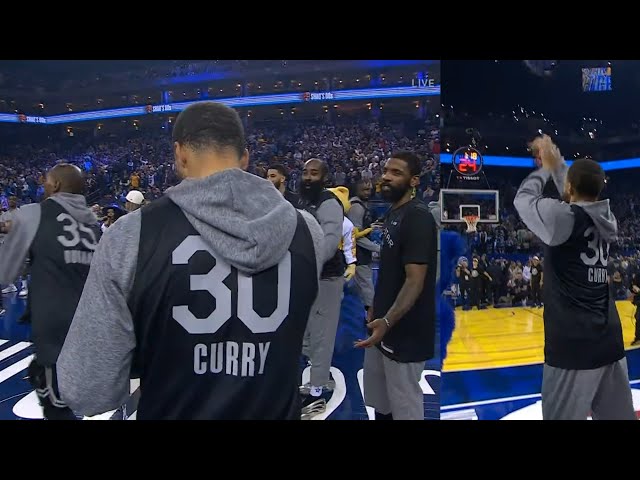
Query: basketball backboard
{"points": [[458, 203]]}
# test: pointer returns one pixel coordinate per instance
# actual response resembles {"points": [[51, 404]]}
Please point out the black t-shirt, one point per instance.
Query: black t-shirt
{"points": [[476, 275], [464, 276], [536, 273], [410, 237], [495, 271]]}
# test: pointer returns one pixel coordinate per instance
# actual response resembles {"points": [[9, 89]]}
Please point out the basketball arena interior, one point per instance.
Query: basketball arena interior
{"points": [[494, 361], [114, 120]]}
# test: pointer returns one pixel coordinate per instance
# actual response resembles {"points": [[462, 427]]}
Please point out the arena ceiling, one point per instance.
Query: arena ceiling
{"points": [[472, 85], [46, 73]]}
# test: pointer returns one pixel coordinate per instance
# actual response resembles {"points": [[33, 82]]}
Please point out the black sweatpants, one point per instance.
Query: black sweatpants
{"points": [[536, 293]]}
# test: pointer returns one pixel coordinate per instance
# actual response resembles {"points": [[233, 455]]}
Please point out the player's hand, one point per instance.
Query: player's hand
{"points": [[549, 152], [635, 289], [350, 272], [378, 329]]}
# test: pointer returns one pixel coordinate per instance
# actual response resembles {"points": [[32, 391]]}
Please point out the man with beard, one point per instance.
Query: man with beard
{"points": [[278, 175], [361, 218], [402, 320], [323, 321], [59, 235]]}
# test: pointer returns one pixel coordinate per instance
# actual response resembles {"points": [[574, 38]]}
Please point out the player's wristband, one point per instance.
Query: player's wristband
{"points": [[386, 320]]}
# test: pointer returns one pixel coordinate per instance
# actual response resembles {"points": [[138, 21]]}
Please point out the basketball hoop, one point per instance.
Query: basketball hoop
{"points": [[472, 222]]}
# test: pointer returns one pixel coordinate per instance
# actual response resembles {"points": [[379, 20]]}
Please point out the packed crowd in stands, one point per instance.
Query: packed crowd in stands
{"points": [[505, 252], [354, 148], [500, 282], [512, 237]]}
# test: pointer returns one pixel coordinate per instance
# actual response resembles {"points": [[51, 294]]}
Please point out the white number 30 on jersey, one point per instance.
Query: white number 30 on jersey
{"points": [[595, 244], [212, 283]]}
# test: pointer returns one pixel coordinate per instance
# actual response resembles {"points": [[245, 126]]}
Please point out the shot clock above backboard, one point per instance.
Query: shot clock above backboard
{"points": [[467, 161]]}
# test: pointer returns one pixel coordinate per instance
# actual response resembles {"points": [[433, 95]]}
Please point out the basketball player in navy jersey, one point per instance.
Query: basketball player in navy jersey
{"points": [[585, 369], [208, 298], [59, 235]]}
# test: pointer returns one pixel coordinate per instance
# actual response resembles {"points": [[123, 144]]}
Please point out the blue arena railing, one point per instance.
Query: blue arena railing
{"points": [[527, 162], [250, 101]]}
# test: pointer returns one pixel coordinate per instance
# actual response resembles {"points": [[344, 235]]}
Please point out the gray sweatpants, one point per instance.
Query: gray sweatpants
{"points": [[363, 281], [320, 336], [392, 387], [574, 394]]}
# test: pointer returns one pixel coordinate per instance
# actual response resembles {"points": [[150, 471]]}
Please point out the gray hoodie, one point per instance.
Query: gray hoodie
{"points": [[24, 227], [552, 220], [244, 219]]}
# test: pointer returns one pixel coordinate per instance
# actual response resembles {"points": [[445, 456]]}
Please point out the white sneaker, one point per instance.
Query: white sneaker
{"points": [[10, 289], [24, 293], [2, 311]]}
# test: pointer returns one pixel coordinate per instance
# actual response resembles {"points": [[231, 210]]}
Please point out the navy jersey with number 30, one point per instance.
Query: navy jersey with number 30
{"points": [[214, 343], [581, 323]]}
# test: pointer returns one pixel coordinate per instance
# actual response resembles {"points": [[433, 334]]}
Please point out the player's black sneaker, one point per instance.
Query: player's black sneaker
{"points": [[312, 406]]}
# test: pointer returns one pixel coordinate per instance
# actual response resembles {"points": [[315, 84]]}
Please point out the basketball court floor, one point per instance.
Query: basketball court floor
{"points": [[493, 369], [18, 400]]}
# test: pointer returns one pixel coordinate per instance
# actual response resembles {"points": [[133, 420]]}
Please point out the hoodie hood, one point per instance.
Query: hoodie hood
{"points": [[77, 207], [605, 222], [242, 217]]}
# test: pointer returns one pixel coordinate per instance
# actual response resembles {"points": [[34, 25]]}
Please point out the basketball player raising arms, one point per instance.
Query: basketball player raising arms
{"points": [[207, 295], [585, 369]]}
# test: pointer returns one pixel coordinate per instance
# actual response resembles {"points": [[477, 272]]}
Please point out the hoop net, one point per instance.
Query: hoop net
{"points": [[472, 222]]}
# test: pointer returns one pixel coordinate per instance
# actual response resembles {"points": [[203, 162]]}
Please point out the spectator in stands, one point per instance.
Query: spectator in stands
{"points": [[135, 200]]}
